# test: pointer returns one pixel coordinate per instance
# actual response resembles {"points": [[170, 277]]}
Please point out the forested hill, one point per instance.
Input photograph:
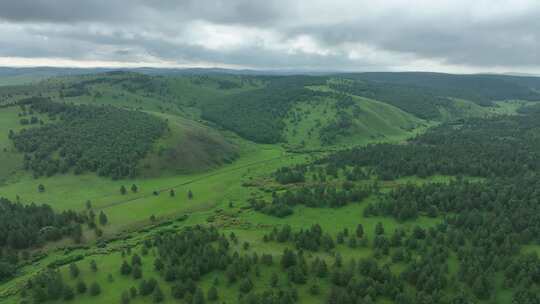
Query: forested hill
{"points": [[106, 140], [423, 94], [258, 114], [491, 86]]}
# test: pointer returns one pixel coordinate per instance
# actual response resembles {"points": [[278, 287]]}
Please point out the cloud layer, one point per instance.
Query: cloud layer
{"points": [[453, 36]]}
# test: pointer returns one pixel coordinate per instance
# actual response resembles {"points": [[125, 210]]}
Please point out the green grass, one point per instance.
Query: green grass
{"points": [[210, 189]]}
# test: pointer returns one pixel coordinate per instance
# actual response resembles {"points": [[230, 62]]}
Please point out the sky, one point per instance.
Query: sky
{"points": [[458, 36]]}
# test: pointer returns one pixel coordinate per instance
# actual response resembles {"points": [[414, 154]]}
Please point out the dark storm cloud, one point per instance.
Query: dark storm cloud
{"points": [[507, 40], [438, 35], [68, 11], [61, 10]]}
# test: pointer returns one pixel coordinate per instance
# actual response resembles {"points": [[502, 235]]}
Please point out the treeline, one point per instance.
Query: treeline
{"points": [[25, 226], [106, 140], [322, 173], [258, 114], [496, 147], [316, 196], [505, 205], [289, 175]]}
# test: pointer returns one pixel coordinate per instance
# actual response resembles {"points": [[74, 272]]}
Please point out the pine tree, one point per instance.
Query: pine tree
{"points": [[212, 294], [125, 269], [158, 295], [137, 272], [74, 270], [93, 266], [274, 280], [103, 218], [69, 294], [158, 264], [81, 287], [136, 260], [95, 289], [314, 289], [379, 229], [245, 285], [125, 298], [123, 190], [359, 230], [198, 297], [288, 258]]}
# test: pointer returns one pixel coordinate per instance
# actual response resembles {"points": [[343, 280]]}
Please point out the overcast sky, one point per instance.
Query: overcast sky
{"points": [[460, 36]]}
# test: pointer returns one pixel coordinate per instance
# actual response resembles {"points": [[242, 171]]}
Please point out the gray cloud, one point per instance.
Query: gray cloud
{"points": [[342, 34]]}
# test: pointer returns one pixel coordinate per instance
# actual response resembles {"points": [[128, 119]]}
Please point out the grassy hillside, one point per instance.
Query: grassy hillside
{"points": [[187, 147], [317, 123]]}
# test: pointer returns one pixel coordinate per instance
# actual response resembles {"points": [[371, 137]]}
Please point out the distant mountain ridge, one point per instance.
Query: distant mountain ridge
{"points": [[64, 71]]}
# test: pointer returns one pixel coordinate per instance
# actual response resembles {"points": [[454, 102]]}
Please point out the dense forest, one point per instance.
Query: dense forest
{"points": [[102, 139], [258, 114], [31, 225], [478, 88], [507, 146]]}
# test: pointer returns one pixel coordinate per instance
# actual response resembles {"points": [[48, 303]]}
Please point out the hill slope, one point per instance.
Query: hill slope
{"points": [[188, 147], [333, 121]]}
